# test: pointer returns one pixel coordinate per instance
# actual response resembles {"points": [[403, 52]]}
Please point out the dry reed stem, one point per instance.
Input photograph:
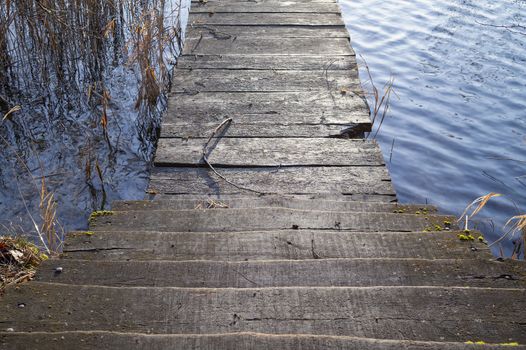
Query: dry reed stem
{"points": [[205, 159], [380, 102], [514, 225]]}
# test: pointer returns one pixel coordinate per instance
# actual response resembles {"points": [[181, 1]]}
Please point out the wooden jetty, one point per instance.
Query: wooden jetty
{"points": [[274, 223]]}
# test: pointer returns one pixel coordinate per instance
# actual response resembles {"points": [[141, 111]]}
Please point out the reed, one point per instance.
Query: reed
{"points": [[57, 65], [379, 99], [514, 228], [60, 52]]}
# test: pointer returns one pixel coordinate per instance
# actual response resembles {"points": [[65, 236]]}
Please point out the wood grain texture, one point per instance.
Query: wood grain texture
{"points": [[334, 204], [269, 19], [242, 341], [241, 127], [255, 32], [268, 152], [214, 45], [287, 273], [301, 180], [265, 6], [253, 219], [385, 199], [323, 63], [269, 245], [335, 82], [293, 107], [378, 312]]}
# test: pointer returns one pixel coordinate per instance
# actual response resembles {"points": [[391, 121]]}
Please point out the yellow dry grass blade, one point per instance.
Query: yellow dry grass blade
{"points": [[480, 202], [520, 223], [11, 111], [109, 28], [517, 223]]}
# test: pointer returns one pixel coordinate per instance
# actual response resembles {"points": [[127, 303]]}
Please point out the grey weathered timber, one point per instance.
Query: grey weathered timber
{"points": [[202, 220], [266, 6], [241, 341], [328, 108], [379, 312], [222, 80], [287, 273], [212, 45], [260, 128], [269, 152], [273, 201], [279, 62], [290, 180], [277, 32], [269, 107], [199, 198], [268, 245], [268, 19], [252, 219]]}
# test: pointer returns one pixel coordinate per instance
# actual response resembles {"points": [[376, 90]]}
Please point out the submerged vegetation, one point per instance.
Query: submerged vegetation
{"points": [[82, 88]]}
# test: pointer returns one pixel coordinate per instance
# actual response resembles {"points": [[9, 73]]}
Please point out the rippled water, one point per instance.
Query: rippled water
{"points": [[459, 122]]}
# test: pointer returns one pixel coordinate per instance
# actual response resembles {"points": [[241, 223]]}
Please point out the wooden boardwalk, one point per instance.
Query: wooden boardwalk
{"points": [[274, 224]]}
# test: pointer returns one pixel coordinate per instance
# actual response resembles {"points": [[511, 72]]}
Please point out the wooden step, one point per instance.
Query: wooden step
{"points": [[274, 62], [240, 127], [253, 219], [269, 152], [287, 273], [304, 197], [409, 313], [276, 32], [266, 6], [274, 201], [269, 245], [222, 80], [241, 341], [220, 45], [268, 107], [268, 19], [369, 181]]}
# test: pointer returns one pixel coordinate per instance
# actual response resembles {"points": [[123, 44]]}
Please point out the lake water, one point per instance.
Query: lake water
{"points": [[458, 123]]}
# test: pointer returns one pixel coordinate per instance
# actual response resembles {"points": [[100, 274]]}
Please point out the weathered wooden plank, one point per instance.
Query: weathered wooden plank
{"points": [[265, 7], [223, 80], [379, 312], [302, 180], [233, 31], [274, 201], [260, 1], [287, 273], [270, 19], [242, 341], [319, 107], [269, 245], [268, 152], [279, 62], [385, 199], [254, 219], [260, 128], [210, 45]]}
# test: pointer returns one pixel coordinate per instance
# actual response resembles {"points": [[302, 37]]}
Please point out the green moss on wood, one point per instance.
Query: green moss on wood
{"points": [[100, 213]]}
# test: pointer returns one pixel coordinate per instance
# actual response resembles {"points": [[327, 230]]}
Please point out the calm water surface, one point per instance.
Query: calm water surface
{"points": [[458, 123]]}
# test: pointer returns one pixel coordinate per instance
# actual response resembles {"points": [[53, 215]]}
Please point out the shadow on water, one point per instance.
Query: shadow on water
{"points": [[459, 121]]}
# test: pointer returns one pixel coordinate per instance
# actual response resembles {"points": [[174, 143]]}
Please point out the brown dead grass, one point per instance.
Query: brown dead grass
{"points": [[18, 260]]}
